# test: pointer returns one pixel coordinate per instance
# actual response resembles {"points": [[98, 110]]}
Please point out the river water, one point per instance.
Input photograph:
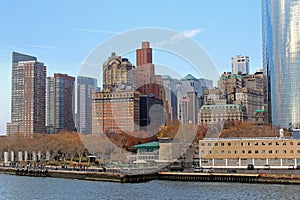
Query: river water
{"points": [[20, 187]]}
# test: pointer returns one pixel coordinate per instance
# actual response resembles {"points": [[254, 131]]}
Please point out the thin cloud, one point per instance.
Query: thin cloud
{"points": [[39, 46], [179, 37], [192, 33], [94, 31]]}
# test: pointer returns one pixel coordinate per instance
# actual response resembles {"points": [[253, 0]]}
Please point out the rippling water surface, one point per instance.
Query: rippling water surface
{"points": [[19, 187]]}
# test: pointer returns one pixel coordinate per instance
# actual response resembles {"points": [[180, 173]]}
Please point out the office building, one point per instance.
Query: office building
{"points": [[85, 87], [281, 60], [60, 103], [221, 113], [240, 65], [171, 97], [152, 115], [190, 108], [228, 84], [50, 91]]}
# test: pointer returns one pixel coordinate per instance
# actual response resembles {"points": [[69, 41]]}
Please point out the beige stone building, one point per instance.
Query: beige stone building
{"points": [[220, 113], [119, 74], [239, 152]]}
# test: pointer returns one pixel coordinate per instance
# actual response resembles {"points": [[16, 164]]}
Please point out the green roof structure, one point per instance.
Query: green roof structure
{"points": [[189, 77], [147, 145]]}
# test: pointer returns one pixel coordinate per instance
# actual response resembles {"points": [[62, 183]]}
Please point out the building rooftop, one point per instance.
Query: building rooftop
{"points": [[189, 77], [147, 145]]}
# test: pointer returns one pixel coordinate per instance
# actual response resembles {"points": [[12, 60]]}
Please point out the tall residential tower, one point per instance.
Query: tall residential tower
{"points": [[28, 95]]}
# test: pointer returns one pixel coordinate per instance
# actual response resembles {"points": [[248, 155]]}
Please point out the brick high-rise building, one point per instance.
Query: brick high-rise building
{"points": [[116, 111], [144, 55], [28, 96], [17, 88], [145, 69], [34, 97]]}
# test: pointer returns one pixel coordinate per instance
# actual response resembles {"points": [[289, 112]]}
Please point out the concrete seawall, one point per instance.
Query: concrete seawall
{"points": [[170, 176]]}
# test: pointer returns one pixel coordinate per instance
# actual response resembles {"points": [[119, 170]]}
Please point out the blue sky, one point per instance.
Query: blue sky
{"points": [[63, 33]]}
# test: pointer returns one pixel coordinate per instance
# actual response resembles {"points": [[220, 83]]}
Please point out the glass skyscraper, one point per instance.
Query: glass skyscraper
{"points": [[85, 88], [281, 60]]}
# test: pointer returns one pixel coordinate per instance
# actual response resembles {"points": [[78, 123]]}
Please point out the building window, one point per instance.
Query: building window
{"points": [[291, 151], [216, 144], [243, 151], [222, 151], [235, 144], [270, 151], [216, 152], [235, 151], [298, 151], [270, 143], [249, 152], [209, 144], [202, 144], [263, 151], [277, 151], [277, 143], [229, 151], [256, 151], [242, 144], [284, 151], [222, 144], [284, 143], [249, 144], [229, 144], [256, 143], [291, 143]]}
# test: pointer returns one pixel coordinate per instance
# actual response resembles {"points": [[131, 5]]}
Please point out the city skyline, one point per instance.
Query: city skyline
{"points": [[66, 40]]}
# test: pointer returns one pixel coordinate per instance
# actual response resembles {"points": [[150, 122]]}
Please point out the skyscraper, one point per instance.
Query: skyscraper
{"points": [[85, 87], [171, 97], [17, 87], [60, 103], [281, 60], [50, 105], [145, 69], [117, 107], [34, 96], [240, 64], [28, 95], [144, 55]]}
